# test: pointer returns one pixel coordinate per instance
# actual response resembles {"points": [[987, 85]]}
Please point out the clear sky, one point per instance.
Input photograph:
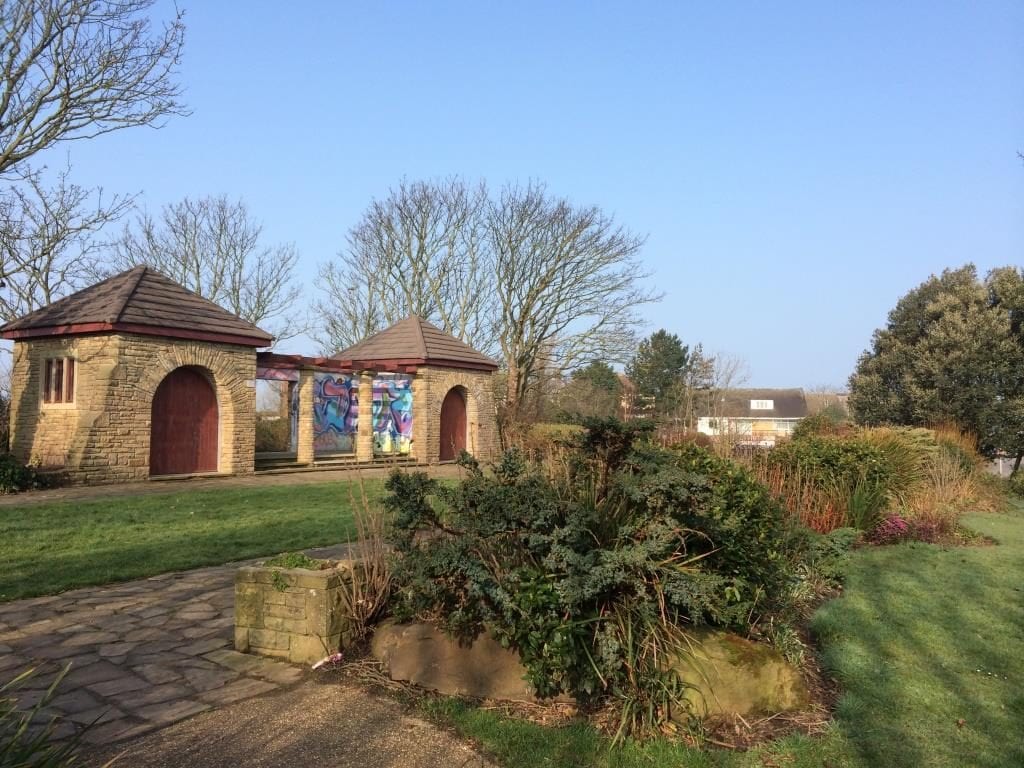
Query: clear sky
{"points": [[796, 166]]}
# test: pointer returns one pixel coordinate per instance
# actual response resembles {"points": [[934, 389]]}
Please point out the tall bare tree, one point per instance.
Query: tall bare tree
{"points": [[70, 70], [419, 250], [48, 239], [75, 69], [212, 246], [568, 284], [548, 285]]}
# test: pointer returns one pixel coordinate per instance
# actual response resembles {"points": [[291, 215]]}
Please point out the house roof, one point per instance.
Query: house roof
{"points": [[786, 403], [414, 341], [142, 301]]}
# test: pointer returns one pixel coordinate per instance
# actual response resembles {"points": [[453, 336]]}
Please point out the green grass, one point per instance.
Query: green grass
{"points": [[48, 548], [520, 744], [923, 637]]}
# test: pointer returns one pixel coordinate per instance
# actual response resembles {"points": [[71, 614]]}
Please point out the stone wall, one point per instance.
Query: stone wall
{"points": [[104, 435], [292, 614], [430, 386]]}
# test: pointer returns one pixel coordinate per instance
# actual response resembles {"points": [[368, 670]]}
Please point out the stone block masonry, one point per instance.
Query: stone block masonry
{"points": [[430, 386], [104, 435], [290, 613]]}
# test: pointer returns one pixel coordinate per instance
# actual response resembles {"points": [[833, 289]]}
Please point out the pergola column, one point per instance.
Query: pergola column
{"points": [[364, 435], [304, 452]]}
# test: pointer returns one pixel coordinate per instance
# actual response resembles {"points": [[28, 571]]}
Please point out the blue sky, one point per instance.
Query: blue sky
{"points": [[796, 166]]}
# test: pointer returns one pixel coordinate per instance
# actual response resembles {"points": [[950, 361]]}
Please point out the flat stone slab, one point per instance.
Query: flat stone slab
{"points": [[730, 675], [426, 656]]}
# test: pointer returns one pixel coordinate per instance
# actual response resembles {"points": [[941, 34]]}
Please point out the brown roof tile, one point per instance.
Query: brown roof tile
{"points": [[415, 340], [140, 300]]}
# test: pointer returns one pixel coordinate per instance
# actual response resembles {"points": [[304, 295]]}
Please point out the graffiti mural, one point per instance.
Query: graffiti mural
{"points": [[392, 414], [335, 413]]}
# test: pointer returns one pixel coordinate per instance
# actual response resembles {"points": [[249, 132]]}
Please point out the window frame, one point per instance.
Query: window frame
{"points": [[62, 393]]}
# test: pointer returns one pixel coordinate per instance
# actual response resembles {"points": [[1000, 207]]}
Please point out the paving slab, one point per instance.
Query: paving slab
{"points": [[140, 655]]}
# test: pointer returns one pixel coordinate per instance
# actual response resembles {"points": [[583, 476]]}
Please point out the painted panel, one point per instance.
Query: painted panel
{"points": [[392, 414], [335, 413], [277, 374]]}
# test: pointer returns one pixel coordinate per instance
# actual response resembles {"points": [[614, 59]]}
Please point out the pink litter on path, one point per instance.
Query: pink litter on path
{"points": [[334, 658]]}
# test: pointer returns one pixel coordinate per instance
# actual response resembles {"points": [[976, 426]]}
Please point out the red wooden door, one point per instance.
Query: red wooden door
{"points": [[183, 436], [453, 425]]}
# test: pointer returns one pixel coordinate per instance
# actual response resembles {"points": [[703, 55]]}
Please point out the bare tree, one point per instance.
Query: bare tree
{"points": [[352, 309], [75, 69], [417, 251], [212, 246], [548, 285], [697, 380], [48, 239], [568, 285], [70, 70], [728, 373]]}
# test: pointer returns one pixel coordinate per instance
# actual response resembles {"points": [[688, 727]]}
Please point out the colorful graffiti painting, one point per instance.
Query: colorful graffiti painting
{"points": [[335, 413], [392, 414]]}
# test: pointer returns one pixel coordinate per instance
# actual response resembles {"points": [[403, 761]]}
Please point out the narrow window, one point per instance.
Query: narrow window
{"points": [[69, 385], [47, 379], [58, 381], [58, 384]]}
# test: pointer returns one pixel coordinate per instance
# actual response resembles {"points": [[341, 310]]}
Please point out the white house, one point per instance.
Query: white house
{"points": [[754, 417]]}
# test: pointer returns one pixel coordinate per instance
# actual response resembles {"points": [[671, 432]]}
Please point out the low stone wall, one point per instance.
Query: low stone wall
{"points": [[289, 613], [725, 674]]}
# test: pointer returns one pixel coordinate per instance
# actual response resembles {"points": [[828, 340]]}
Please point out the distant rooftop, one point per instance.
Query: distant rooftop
{"points": [[141, 301], [772, 403]]}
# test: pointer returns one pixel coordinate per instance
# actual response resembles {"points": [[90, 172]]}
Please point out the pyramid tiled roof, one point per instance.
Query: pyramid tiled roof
{"points": [[417, 342], [142, 301]]}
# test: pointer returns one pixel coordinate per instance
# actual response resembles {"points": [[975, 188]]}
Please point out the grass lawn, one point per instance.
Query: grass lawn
{"points": [[48, 548], [927, 643], [925, 638]]}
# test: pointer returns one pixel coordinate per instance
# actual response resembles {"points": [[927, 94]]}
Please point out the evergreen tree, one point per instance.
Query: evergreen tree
{"points": [[658, 371], [593, 391], [950, 352]]}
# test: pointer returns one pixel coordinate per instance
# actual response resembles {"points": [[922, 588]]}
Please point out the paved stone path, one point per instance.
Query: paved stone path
{"points": [[143, 654]]}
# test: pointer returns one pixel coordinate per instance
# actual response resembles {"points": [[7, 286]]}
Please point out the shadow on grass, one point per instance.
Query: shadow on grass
{"points": [[163, 549], [927, 645]]}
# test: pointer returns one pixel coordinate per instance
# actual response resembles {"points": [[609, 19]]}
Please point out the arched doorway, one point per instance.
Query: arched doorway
{"points": [[453, 424], [184, 424]]}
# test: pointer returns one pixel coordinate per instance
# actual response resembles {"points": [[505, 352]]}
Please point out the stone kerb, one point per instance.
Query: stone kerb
{"points": [[290, 613]]}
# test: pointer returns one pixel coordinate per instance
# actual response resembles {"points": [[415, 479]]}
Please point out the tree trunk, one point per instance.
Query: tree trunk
{"points": [[1016, 464]]}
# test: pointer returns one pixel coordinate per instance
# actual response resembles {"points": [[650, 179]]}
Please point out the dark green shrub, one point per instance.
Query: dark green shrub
{"points": [[273, 435], [850, 469], [829, 421], [15, 476], [725, 503], [696, 438], [1015, 483], [591, 574]]}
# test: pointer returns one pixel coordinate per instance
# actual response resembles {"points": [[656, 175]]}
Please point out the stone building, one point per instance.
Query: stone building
{"points": [[137, 377]]}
